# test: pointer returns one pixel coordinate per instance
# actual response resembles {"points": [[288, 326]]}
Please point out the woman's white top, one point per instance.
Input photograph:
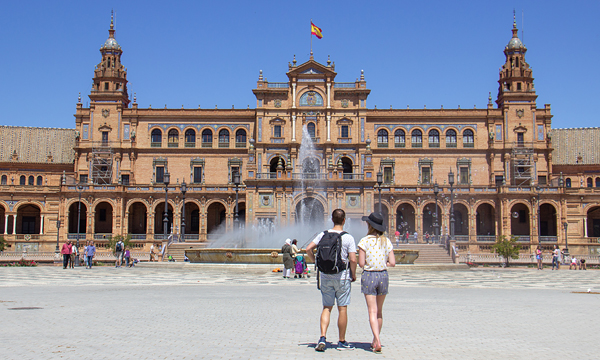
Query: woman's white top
{"points": [[376, 254]]}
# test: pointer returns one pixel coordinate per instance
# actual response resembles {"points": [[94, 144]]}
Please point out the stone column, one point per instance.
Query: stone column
{"points": [[294, 127], [329, 95], [293, 95], [6, 223], [328, 127], [42, 225]]}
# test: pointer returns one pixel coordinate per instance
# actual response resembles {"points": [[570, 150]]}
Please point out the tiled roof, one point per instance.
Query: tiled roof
{"points": [[35, 145], [578, 146]]}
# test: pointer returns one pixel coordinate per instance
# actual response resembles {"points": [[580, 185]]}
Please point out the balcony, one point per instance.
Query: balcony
{"points": [[240, 145], [173, 144], [549, 239], [190, 144], [417, 145], [400, 144], [450, 144], [468, 145], [342, 85], [309, 176], [278, 85], [382, 144], [352, 176], [434, 144], [155, 144], [223, 144], [207, 144], [486, 238]]}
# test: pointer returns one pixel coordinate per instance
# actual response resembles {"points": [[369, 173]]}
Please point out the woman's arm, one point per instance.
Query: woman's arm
{"points": [[361, 257], [391, 262]]}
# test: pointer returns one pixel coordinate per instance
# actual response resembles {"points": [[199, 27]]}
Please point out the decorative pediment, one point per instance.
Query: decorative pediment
{"points": [[311, 71], [520, 129], [311, 68], [105, 127]]}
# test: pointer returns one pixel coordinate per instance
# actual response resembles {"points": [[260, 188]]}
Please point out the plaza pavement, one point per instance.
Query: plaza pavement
{"points": [[189, 311]]}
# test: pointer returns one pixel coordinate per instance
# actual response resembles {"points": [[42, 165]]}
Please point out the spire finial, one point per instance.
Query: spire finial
{"points": [[490, 98], [112, 15], [328, 60], [514, 19], [134, 98], [362, 75], [260, 76], [79, 99], [294, 62]]}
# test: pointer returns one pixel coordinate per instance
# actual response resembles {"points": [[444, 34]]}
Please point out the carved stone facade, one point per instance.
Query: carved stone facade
{"points": [[501, 158]]}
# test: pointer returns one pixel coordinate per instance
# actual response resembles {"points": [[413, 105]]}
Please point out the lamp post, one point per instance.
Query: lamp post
{"points": [[436, 225], [57, 235], [236, 182], [166, 179], [566, 225], [183, 190], [79, 190], [379, 182], [451, 182]]}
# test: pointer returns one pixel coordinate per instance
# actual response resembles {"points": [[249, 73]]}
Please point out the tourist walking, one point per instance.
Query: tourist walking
{"points": [[119, 246], [74, 254], [375, 255], [288, 262], [336, 261], [152, 253], [90, 252], [127, 256], [66, 253], [539, 257], [295, 250]]}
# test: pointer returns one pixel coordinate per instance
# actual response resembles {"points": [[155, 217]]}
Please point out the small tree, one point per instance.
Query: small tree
{"points": [[2, 243], [507, 248], [112, 242]]}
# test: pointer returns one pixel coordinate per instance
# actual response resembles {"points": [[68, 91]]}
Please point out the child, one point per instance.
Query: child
{"points": [[299, 267]]}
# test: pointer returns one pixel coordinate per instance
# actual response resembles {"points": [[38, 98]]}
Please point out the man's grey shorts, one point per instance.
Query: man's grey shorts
{"points": [[332, 289], [119, 254]]}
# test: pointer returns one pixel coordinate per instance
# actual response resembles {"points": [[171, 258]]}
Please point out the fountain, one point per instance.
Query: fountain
{"points": [[261, 242]]}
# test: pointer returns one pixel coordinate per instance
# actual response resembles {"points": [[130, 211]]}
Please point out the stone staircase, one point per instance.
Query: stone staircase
{"points": [[177, 250], [429, 253]]}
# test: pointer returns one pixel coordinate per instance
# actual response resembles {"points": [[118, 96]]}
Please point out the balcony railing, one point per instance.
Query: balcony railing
{"points": [[434, 144], [190, 144], [523, 238], [461, 238], [155, 144], [173, 144], [341, 85], [549, 239], [468, 145], [223, 144], [278, 85], [400, 144], [450, 144], [138, 236], [309, 176], [353, 176], [486, 238], [74, 236], [267, 175], [382, 144], [417, 145], [207, 144], [240, 144]]}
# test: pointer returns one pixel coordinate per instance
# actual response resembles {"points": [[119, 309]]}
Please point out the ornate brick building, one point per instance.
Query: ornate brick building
{"points": [[513, 173]]}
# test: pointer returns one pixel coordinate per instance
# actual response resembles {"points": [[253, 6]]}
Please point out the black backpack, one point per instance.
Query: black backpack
{"points": [[118, 247], [329, 253]]}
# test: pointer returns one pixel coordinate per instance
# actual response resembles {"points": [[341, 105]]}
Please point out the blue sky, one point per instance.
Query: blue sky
{"points": [[428, 53]]}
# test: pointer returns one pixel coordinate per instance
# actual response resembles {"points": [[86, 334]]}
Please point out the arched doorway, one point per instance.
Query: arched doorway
{"points": [[347, 166], [215, 218], [241, 214], [429, 218], [310, 211], [519, 220], [137, 218], [485, 220], [74, 213], [159, 215], [547, 219], [192, 221], [103, 218], [405, 218], [2, 219], [384, 214], [461, 220], [28, 219], [593, 222]]}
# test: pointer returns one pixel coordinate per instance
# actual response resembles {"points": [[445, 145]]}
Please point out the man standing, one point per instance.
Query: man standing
{"points": [[90, 251], [335, 280], [119, 246], [66, 253]]}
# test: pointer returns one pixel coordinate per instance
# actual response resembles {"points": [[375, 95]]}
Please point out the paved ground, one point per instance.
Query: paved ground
{"points": [[207, 312]]}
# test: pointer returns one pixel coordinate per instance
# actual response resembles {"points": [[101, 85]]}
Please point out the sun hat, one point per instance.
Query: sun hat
{"points": [[375, 220]]}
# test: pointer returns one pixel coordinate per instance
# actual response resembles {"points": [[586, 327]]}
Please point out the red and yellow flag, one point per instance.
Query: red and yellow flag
{"points": [[315, 30]]}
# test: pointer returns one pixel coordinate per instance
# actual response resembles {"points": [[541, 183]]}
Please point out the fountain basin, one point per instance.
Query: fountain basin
{"points": [[266, 256]]}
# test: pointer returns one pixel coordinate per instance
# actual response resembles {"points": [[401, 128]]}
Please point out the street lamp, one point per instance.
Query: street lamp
{"points": [[79, 190], [236, 182], [183, 190], [166, 179], [57, 234], [566, 225], [451, 182], [379, 182], [436, 225]]}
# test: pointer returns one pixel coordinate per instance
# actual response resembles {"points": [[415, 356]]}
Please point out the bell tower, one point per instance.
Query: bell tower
{"points": [[110, 76], [516, 78]]}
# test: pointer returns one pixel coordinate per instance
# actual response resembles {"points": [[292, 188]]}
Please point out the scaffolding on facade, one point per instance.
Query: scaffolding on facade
{"points": [[102, 163], [523, 164]]}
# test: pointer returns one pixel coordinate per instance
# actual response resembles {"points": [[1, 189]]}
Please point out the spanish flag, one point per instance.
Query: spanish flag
{"points": [[315, 30]]}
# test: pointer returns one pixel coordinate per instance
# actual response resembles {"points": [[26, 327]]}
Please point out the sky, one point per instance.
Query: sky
{"points": [[421, 53]]}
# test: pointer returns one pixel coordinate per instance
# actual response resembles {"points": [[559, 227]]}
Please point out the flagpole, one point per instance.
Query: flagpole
{"points": [[311, 53]]}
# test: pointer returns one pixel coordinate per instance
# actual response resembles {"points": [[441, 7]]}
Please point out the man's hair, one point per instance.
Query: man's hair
{"points": [[338, 216]]}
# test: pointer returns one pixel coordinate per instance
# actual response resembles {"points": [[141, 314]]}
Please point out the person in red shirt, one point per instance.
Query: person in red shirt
{"points": [[66, 250]]}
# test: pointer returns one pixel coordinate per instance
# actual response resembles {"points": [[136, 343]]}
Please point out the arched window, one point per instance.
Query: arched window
{"points": [[4, 179], [156, 138], [568, 182], [206, 138], [240, 138], [597, 181], [173, 138], [310, 127], [434, 138], [39, 181], [416, 138], [30, 180], [22, 180], [223, 138], [311, 98], [382, 138], [399, 138], [450, 138], [190, 138], [590, 182], [468, 138]]}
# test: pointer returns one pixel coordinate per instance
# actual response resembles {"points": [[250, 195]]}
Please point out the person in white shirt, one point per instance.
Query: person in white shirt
{"points": [[573, 263], [375, 255]]}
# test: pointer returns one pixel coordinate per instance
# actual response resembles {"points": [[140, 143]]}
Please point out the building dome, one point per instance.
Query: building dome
{"points": [[515, 43], [111, 44]]}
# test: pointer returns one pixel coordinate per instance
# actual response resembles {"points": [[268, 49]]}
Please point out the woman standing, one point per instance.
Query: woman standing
{"points": [[288, 263], [539, 257], [375, 255]]}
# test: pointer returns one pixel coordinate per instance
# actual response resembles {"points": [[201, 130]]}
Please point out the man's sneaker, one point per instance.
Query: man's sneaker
{"points": [[322, 344], [344, 345]]}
